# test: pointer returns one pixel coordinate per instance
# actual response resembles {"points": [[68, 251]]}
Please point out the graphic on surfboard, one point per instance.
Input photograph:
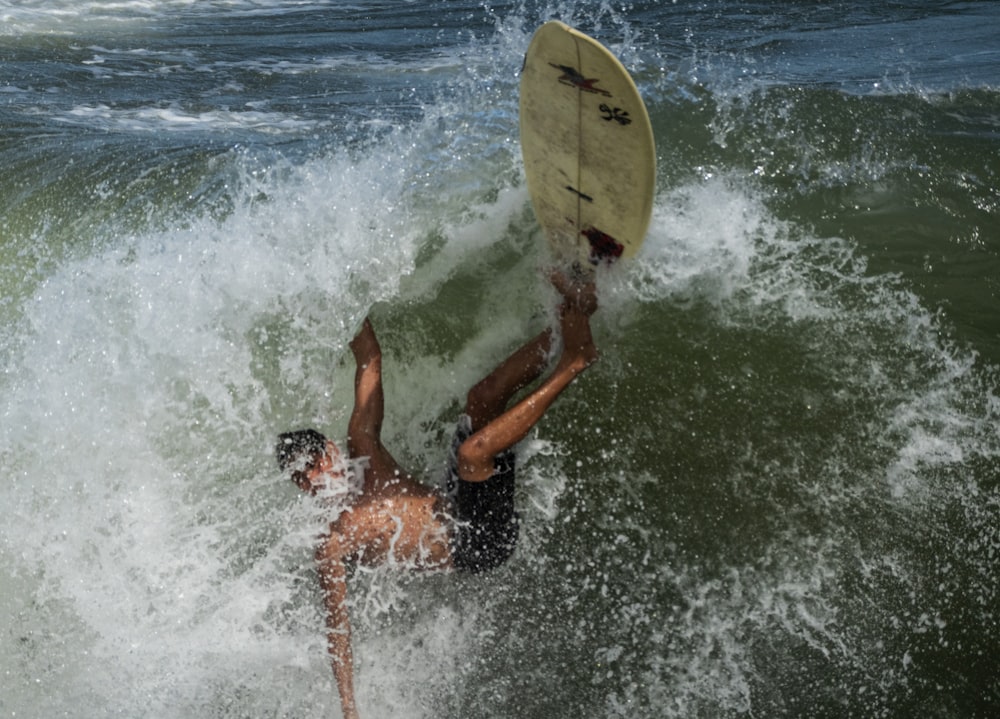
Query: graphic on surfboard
{"points": [[587, 144]]}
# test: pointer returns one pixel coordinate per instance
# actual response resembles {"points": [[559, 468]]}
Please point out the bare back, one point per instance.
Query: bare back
{"points": [[397, 522]]}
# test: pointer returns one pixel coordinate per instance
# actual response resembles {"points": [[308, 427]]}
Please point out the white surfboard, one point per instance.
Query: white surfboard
{"points": [[588, 149]]}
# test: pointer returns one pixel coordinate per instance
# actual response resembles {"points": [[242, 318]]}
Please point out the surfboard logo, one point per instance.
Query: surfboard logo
{"points": [[602, 246], [615, 113], [572, 77]]}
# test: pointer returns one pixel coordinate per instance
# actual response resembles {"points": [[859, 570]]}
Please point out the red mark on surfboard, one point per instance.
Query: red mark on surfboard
{"points": [[572, 77], [602, 246]]}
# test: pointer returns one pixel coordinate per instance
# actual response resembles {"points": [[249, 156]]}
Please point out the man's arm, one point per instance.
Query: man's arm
{"points": [[333, 580], [364, 429]]}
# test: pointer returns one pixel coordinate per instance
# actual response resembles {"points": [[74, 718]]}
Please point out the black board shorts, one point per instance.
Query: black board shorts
{"points": [[486, 525]]}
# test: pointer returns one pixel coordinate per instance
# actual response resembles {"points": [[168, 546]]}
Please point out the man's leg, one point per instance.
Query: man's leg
{"points": [[489, 397], [475, 456]]}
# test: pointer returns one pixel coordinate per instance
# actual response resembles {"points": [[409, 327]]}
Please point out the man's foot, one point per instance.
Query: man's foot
{"points": [[577, 289], [579, 294]]}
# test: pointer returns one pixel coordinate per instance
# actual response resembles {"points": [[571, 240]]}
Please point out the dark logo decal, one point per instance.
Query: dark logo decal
{"points": [[570, 76], [602, 246], [615, 113]]}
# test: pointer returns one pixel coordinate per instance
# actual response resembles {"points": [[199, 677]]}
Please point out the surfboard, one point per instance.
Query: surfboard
{"points": [[588, 148]]}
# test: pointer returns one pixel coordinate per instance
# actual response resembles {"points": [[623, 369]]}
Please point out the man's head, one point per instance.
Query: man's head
{"points": [[312, 459]]}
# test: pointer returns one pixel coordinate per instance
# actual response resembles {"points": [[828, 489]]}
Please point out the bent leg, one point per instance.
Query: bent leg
{"points": [[475, 456], [489, 397]]}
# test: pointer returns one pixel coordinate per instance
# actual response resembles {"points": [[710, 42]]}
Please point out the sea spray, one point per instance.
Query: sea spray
{"points": [[775, 493]]}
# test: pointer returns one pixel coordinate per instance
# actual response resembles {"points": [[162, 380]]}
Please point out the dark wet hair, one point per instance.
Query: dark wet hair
{"points": [[293, 447]]}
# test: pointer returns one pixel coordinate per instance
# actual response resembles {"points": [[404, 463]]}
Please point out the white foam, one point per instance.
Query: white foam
{"points": [[175, 119], [155, 563], [138, 419]]}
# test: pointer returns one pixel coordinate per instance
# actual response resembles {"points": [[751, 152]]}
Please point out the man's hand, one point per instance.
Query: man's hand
{"points": [[365, 344]]}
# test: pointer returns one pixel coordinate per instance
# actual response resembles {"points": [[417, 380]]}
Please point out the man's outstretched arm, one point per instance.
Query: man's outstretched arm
{"points": [[364, 429], [333, 580], [365, 426]]}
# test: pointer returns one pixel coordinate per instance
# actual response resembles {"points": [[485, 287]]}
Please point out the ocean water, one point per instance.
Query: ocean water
{"points": [[776, 495]]}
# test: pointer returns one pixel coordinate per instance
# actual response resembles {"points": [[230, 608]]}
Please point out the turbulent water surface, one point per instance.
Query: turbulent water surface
{"points": [[777, 494]]}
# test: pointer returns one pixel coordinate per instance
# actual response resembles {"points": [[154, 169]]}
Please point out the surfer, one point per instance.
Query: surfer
{"points": [[471, 526]]}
